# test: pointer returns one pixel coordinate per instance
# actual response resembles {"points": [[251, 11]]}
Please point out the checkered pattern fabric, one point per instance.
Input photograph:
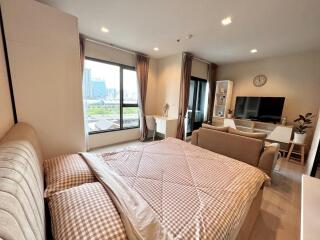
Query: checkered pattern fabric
{"points": [[196, 193], [66, 171], [85, 212]]}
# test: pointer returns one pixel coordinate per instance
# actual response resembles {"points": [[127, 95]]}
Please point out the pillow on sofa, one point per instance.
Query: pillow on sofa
{"points": [[261, 136], [66, 171], [217, 128], [85, 212]]}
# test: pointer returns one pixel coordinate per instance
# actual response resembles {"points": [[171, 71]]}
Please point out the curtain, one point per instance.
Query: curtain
{"points": [[212, 69], [184, 93], [82, 58], [142, 68], [82, 54]]}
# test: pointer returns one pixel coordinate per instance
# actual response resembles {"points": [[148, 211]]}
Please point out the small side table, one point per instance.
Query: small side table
{"points": [[301, 153]]}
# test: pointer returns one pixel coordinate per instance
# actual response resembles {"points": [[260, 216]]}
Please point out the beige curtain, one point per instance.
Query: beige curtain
{"points": [[212, 69], [82, 55], [82, 58], [184, 92], [142, 68]]}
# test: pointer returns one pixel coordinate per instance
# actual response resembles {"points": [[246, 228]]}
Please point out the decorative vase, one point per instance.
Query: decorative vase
{"points": [[299, 138], [229, 115]]}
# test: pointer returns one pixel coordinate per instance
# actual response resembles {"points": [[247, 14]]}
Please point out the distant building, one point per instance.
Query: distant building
{"points": [[98, 89], [87, 83], [111, 93]]}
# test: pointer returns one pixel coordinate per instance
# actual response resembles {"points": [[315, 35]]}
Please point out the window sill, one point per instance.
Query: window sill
{"points": [[113, 130]]}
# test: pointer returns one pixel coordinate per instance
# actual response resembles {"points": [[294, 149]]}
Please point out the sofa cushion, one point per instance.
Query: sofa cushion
{"points": [[85, 212], [66, 171], [261, 136], [217, 128], [242, 148]]}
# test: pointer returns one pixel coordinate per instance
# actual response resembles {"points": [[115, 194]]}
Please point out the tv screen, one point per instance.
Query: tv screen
{"points": [[264, 109]]}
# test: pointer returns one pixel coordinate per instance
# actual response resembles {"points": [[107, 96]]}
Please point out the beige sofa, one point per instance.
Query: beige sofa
{"points": [[243, 148]]}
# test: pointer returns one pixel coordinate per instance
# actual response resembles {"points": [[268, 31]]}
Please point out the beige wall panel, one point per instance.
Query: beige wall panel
{"points": [[43, 45], [6, 115], [169, 72]]}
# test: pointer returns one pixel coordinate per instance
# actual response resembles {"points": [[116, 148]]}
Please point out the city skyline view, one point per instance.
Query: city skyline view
{"points": [[102, 96]]}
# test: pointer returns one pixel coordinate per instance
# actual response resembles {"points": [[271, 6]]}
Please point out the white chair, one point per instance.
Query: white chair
{"points": [[151, 125]]}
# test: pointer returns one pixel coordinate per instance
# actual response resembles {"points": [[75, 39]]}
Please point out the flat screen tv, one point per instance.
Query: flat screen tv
{"points": [[264, 109]]}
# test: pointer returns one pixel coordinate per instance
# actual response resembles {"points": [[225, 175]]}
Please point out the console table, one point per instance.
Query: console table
{"points": [[166, 126]]}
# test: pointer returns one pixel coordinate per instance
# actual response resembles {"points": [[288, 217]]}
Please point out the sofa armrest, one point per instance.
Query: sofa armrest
{"points": [[194, 137], [268, 158]]}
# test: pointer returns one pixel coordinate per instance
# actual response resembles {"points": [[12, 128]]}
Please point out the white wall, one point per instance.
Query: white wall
{"points": [[43, 45], [169, 76], [295, 77], [168, 84], [6, 115], [151, 100], [314, 147], [103, 52]]}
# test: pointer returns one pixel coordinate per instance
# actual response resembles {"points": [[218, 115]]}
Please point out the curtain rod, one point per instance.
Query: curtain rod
{"points": [[112, 46], [127, 50]]}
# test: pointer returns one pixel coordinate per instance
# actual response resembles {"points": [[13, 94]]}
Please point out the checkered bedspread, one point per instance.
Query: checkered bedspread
{"points": [[195, 193]]}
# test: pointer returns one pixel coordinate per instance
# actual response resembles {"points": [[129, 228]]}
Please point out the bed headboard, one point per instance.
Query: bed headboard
{"points": [[22, 210]]}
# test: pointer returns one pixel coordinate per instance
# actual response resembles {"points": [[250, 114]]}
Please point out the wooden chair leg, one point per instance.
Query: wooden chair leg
{"points": [[154, 134], [290, 151], [302, 155]]}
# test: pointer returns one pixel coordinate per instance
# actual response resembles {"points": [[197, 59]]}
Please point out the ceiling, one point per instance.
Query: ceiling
{"points": [[274, 27]]}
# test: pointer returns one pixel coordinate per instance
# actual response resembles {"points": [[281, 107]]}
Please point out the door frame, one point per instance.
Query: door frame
{"points": [[195, 96]]}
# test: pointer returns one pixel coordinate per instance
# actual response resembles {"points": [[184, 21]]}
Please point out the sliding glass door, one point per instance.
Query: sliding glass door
{"points": [[197, 104]]}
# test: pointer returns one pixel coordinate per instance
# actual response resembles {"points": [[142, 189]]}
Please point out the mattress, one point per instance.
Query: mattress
{"points": [[178, 190]]}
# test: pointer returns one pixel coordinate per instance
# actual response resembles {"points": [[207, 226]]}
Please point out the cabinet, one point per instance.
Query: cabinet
{"points": [[222, 99], [166, 126]]}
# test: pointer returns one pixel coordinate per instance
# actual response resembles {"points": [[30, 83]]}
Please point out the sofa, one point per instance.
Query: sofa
{"points": [[242, 146]]}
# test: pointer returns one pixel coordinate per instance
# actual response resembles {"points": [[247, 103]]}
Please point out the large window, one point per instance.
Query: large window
{"points": [[110, 95]]}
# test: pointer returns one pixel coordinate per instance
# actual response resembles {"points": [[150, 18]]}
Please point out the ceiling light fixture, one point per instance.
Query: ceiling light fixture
{"points": [[156, 49], [254, 50], [104, 29], [226, 21]]}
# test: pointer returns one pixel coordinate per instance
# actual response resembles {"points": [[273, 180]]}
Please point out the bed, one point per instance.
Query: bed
{"points": [[163, 190]]}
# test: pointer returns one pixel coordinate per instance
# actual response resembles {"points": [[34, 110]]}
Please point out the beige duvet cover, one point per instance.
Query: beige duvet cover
{"points": [[174, 190]]}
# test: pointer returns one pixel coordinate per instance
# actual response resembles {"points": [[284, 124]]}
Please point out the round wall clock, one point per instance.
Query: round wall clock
{"points": [[259, 80]]}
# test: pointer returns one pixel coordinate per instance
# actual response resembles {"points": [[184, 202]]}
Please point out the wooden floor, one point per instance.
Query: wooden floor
{"points": [[280, 211], [279, 217]]}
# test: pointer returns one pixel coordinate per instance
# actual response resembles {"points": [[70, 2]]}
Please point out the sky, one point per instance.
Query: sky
{"points": [[111, 75]]}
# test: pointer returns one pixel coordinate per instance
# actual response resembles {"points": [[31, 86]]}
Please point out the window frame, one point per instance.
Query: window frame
{"points": [[122, 104]]}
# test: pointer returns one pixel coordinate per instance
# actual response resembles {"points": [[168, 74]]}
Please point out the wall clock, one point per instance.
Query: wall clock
{"points": [[259, 80]]}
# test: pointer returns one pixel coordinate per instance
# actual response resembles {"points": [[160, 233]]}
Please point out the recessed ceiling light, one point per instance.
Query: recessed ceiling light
{"points": [[189, 36], [226, 21], [254, 50], [104, 29], [156, 49]]}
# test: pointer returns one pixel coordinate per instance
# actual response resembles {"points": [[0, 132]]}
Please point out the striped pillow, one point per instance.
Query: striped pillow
{"points": [[66, 171]]}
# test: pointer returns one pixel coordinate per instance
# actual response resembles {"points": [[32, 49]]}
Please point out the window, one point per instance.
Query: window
{"points": [[110, 96]]}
